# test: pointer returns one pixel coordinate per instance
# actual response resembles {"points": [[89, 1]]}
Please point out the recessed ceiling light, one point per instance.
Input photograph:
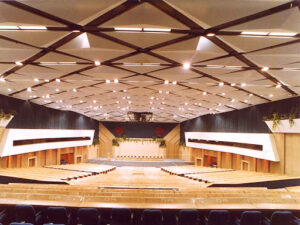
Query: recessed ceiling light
{"points": [[94, 101], [223, 93], [204, 93], [186, 103], [233, 84], [167, 92], [8, 89], [246, 101], [157, 29], [129, 102], [19, 63], [36, 80], [125, 90], [57, 90], [57, 80], [127, 29], [2, 79], [219, 104], [116, 81], [250, 95], [151, 97], [210, 35], [47, 96], [114, 91], [186, 65], [151, 103], [107, 81], [265, 69], [97, 63], [221, 84], [74, 90], [282, 34], [243, 84], [160, 91], [254, 33], [81, 101], [166, 81], [46, 80], [174, 82], [233, 100], [29, 89], [278, 86], [271, 95], [175, 116]]}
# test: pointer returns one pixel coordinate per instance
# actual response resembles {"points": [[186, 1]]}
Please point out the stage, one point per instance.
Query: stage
{"points": [[149, 163]]}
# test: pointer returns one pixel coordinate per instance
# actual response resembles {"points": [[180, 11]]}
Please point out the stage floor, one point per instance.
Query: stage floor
{"points": [[159, 164]]}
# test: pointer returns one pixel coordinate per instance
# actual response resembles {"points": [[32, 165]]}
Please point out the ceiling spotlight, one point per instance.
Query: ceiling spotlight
{"points": [[151, 97], [29, 89], [278, 86], [186, 65], [233, 100], [107, 81], [97, 63], [219, 104], [174, 82], [221, 84], [74, 90], [166, 81], [114, 91], [167, 92], [19, 63], [233, 84], [160, 91], [125, 90], [271, 95], [250, 95], [57, 80], [116, 81], [243, 84], [186, 103], [94, 101], [57, 90], [36, 80], [2, 79], [265, 69], [223, 94], [81, 101], [204, 93], [246, 101], [8, 89], [46, 80]]}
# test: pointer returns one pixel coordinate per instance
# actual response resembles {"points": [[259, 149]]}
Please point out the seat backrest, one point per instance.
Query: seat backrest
{"points": [[281, 217], [14, 223], [89, 216], [25, 213], [218, 217], [188, 217], [121, 216], [152, 217], [57, 215], [251, 218]]}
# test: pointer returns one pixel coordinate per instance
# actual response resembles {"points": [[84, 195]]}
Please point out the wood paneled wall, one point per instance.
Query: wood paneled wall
{"points": [[172, 141], [44, 158], [231, 161], [105, 138]]}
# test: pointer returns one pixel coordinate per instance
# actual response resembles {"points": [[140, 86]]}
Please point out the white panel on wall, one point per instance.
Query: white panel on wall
{"points": [[269, 151], [10, 135]]}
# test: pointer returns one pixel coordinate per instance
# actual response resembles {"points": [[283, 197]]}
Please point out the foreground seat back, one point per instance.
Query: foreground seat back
{"points": [[251, 218], [152, 217], [281, 217], [25, 213], [88, 216], [188, 217], [14, 223], [120, 216], [57, 215], [218, 217]]}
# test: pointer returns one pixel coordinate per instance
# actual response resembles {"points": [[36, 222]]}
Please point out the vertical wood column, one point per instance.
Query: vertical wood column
{"points": [[58, 151], [219, 159]]}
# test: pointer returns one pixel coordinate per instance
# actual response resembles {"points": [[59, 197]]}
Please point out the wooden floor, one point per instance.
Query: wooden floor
{"points": [[148, 187]]}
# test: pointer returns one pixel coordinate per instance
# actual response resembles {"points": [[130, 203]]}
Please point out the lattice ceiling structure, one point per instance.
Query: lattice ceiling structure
{"points": [[178, 59]]}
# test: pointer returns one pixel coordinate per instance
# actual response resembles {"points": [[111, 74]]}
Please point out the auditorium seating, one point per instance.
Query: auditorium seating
{"points": [[125, 216], [27, 214]]}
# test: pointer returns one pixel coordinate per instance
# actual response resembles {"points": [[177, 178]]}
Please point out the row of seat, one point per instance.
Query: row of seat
{"points": [[124, 216], [87, 174]]}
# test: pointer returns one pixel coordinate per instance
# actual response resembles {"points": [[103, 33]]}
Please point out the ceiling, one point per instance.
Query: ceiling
{"points": [[177, 59]]}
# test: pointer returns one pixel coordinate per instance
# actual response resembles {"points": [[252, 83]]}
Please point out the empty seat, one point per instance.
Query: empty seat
{"points": [[88, 216], [280, 218], [26, 214], [152, 217], [250, 218], [187, 217], [120, 216], [218, 217], [57, 215]]}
